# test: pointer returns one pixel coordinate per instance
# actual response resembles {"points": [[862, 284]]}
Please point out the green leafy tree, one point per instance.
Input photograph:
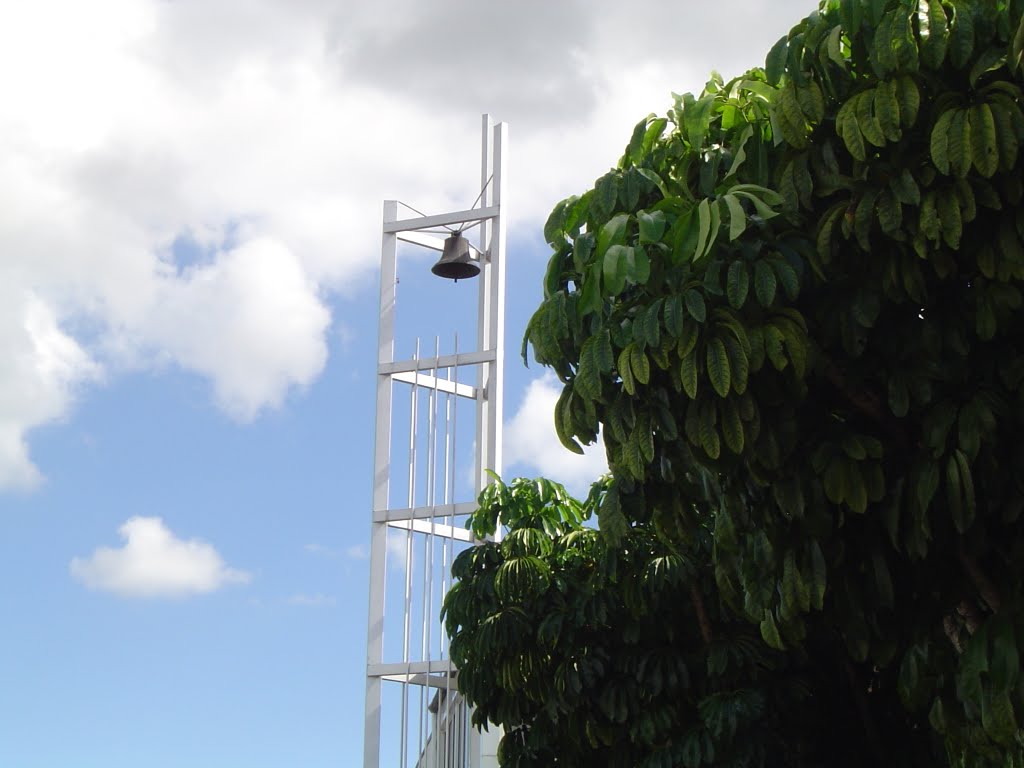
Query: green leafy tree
{"points": [[793, 312]]}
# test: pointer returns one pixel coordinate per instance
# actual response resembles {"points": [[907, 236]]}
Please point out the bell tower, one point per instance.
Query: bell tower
{"points": [[438, 431]]}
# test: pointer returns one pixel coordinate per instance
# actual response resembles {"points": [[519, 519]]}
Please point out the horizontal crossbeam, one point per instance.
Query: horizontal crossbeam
{"points": [[432, 382], [434, 529], [434, 363], [425, 513], [442, 219]]}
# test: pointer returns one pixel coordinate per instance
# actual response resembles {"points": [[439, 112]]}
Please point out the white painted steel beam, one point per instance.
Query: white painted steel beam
{"points": [[424, 513], [442, 219], [432, 242], [433, 528], [426, 381], [394, 670], [437, 362]]}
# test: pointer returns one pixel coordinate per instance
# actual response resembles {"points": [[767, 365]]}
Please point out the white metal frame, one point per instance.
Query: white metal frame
{"points": [[437, 377]]}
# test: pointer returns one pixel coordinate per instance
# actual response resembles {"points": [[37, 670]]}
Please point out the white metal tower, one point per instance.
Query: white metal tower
{"points": [[429, 406]]}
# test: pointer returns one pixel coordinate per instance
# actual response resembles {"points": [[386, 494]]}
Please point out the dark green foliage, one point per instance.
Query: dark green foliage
{"points": [[589, 651], [796, 305]]}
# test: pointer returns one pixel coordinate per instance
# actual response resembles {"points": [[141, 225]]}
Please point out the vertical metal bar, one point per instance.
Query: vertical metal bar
{"points": [[483, 307], [485, 748], [411, 502], [495, 393], [428, 545], [381, 472]]}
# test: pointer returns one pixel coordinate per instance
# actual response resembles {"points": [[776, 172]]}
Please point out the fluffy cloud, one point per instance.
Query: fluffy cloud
{"points": [[265, 133], [155, 563], [531, 445], [41, 367]]}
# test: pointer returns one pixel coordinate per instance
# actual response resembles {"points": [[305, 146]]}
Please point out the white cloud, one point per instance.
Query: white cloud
{"points": [[267, 133], [41, 369], [251, 321], [154, 563], [532, 446]]}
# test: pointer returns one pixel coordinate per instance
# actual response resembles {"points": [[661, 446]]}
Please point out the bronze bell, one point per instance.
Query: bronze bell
{"points": [[456, 262]]}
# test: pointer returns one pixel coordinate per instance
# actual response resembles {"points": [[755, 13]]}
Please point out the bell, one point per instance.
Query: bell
{"points": [[456, 262]]}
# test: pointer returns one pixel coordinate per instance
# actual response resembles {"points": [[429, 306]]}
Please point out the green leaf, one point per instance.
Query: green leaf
{"points": [[602, 351], [640, 364], [960, 144], [688, 338], [967, 487], [695, 305], [770, 631], [819, 576], [651, 324], [606, 194], [718, 367], [934, 32], [610, 516], [739, 365], [615, 269], [737, 283], [1016, 60], [654, 131], [954, 495], [939, 144], [554, 227], [629, 189], [868, 122], [709, 439], [688, 374], [674, 315], [909, 98], [655, 179], [635, 148], [563, 421], [890, 213], [737, 216], [927, 484], [984, 146], [904, 188], [961, 36], [849, 129], [638, 265], [775, 63], [625, 369], [652, 226], [583, 246], [704, 220], [764, 283], [997, 717], [787, 277], [887, 109], [826, 227], [612, 233], [732, 426]]}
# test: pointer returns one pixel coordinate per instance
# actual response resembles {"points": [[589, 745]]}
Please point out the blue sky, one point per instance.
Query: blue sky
{"points": [[191, 196]]}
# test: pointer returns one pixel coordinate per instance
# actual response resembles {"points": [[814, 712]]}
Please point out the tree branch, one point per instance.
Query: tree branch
{"points": [[867, 403], [981, 582], [702, 615], [870, 729]]}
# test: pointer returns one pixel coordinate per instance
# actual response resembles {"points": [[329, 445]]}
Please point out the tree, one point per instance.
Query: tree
{"points": [[792, 310]]}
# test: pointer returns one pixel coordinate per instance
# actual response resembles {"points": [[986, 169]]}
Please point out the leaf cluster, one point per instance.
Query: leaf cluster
{"points": [[592, 652], [793, 312]]}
